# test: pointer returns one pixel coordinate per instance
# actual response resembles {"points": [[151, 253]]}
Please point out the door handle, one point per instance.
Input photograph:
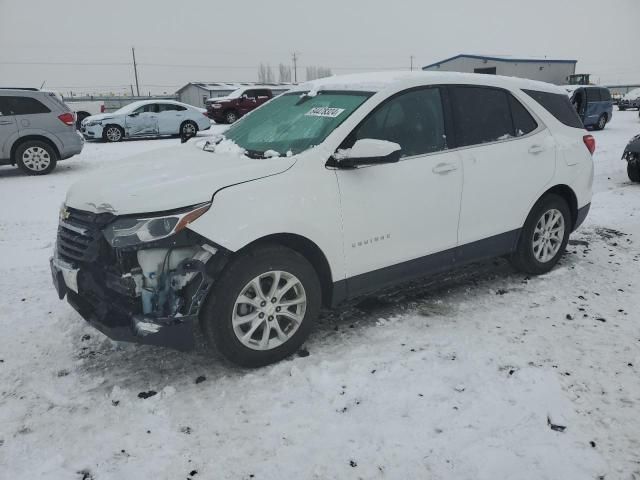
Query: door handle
{"points": [[535, 149], [444, 168]]}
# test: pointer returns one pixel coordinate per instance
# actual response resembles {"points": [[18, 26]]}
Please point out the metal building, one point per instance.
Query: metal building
{"points": [[543, 69]]}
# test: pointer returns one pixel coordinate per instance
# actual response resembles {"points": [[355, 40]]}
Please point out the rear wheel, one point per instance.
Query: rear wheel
{"points": [[188, 128], [36, 158], [633, 170], [263, 306], [544, 236], [112, 133], [602, 122]]}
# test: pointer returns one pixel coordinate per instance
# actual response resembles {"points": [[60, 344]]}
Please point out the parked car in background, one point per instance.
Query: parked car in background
{"points": [[632, 156], [630, 100], [297, 206], [593, 104], [85, 108], [239, 102], [147, 118], [36, 130]]}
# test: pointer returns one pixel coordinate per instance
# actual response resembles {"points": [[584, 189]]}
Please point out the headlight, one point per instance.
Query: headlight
{"points": [[93, 123], [130, 231], [216, 105]]}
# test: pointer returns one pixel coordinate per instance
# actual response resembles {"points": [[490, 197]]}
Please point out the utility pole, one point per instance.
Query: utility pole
{"points": [[295, 67], [411, 58], [135, 70]]}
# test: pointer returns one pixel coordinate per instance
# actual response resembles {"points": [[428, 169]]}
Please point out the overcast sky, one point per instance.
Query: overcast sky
{"points": [[86, 45]]}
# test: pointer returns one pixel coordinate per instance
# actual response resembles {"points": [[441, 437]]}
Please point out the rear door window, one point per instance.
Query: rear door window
{"points": [[558, 105], [481, 115], [605, 94], [414, 120], [25, 106]]}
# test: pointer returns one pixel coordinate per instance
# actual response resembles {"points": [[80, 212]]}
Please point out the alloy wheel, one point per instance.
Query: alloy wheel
{"points": [[113, 134], [548, 235], [269, 310], [36, 159]]}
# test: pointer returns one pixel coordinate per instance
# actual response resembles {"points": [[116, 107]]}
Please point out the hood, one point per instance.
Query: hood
{"points": [[99, 117], [168, 179]]}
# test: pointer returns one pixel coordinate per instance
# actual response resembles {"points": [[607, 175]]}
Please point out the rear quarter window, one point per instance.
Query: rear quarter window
{"points": [[558, 105], [605, 94], [25, 106]]}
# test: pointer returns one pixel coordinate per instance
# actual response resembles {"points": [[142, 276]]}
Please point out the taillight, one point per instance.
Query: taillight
{"points": [[590, 143], [102, 108], [68, 118]]}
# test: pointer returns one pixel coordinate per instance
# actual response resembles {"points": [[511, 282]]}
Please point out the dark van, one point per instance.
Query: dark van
{"points": [[594, 105]]}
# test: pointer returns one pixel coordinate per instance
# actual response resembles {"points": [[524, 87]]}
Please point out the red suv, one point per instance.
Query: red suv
{"points": [[238, 103]]}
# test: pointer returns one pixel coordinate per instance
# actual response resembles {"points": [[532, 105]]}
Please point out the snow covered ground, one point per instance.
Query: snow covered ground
{"points": [[481, 374]]}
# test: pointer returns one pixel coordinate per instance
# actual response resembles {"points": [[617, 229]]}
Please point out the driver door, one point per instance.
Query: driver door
{"points": [[248, 101], [401, 219], [143, 121]]}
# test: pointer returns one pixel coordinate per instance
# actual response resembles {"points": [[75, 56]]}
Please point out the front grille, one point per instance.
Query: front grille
{"points": [[80, 235]]}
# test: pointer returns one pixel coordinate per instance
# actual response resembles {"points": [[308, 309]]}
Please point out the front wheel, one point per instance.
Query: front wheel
{"points": [[544, 236], [602, 122], [263, 306], [113, 133], [36, 157], [231, 116], [633, 171]]}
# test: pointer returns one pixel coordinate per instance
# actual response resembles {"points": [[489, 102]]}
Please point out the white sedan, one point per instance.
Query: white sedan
{"points": [[146, 118]]}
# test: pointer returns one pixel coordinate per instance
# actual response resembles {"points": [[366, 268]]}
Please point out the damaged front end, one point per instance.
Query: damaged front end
{"points": [[136, 278]]}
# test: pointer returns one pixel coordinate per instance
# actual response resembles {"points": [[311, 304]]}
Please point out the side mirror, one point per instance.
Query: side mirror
{"points": [[367, 151], [134, 114]]}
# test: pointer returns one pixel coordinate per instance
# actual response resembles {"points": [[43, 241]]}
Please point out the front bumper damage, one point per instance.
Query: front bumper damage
{"points": [[151, 294]]}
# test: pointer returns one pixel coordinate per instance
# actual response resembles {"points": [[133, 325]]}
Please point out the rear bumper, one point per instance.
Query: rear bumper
{"points": [[108, 313], [72, 144]]}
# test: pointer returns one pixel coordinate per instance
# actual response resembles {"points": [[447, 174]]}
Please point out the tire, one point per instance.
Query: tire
{"points": [[113, 133], [36, 157], [79, 118], [622, 109], [188, 126], [230, 117], [633, 171], [526, 258], [224, 305], [602, 122]]}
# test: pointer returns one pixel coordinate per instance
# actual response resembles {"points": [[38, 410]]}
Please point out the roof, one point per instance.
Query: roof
{"points": [[210, 86], [378, 81], [501, 58]]}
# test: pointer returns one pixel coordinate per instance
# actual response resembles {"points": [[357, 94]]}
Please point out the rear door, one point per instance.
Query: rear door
{"points": [[594, 106], [248, 101], [142, 121], [508, 157], [8, 129], [170, 116]]}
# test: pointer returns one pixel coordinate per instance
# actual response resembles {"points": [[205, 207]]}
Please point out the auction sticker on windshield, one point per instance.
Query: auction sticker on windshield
{"points": [[330, 112]]}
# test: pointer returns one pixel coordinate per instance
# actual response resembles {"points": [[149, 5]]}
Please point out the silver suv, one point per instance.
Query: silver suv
{"points": [[36, 130]]}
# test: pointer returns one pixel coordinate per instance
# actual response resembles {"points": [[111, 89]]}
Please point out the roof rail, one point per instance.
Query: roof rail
{"points": [[20, 88]]}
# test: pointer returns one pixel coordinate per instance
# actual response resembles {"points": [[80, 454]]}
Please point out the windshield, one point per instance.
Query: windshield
{"points": [[292, 123]]}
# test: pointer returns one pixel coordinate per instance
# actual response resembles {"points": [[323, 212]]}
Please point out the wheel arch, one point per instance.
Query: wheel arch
{"points": [[26, 138], [567, 193], [309, 250]]}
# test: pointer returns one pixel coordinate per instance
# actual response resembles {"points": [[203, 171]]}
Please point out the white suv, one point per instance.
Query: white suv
{"points": [[336, 189]]}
